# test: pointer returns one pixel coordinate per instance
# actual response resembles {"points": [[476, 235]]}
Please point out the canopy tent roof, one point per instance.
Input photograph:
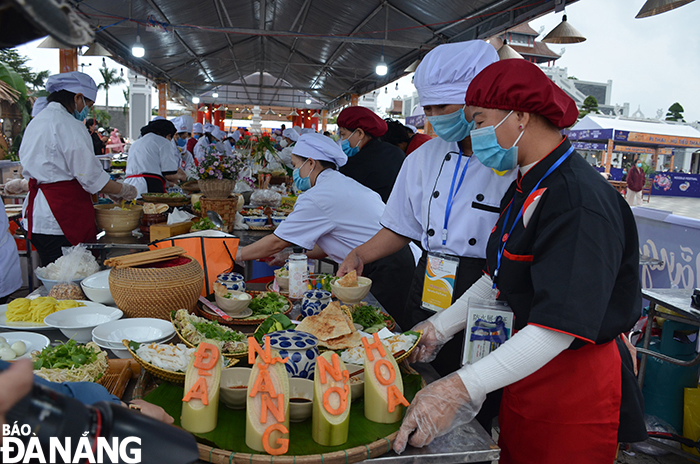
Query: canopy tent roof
{"points": [[274, 52], [590, 122]]}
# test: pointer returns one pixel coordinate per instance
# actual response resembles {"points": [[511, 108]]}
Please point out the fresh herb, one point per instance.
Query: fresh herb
{"points": [[368, 316], [215, 331], [166, 195], [65, 356], [268, 303], [197, 206], [203, 224], [274, 323]]}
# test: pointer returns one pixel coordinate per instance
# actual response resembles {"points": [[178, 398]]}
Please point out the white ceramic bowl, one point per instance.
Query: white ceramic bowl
{"points": [[48, 283], [236, 304], [282, 281], [234, 398], [121, 353], [300, 389], [77, 323], [352, 294], [277, 220], [96, 287], [138, 329]]}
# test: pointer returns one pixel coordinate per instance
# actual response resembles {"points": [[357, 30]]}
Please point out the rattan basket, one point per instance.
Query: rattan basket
{"points": [[189, 344], [170, 376], [154, 292], [226, 207], [217, 188]]}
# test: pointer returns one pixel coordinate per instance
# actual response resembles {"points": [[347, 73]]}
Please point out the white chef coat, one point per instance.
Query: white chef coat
{"points": [[286, 156], [200, 148], [186, 159], [56, 147], [150, 154], [338, 214], [228, 149], [10, 273], [418, 201]]}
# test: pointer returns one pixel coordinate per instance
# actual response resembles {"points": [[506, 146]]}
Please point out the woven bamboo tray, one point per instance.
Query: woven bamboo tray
{"points": [[230, 356], [262, 228], [154, 292], [170, 376], [213, 317], [208, 453]]}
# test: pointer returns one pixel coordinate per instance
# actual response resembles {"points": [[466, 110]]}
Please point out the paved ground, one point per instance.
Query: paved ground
{"points": [[688, 207]]}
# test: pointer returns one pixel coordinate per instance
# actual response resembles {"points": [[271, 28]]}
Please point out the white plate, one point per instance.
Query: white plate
{"points": [[138, 329], [247, 312], [34, 341], [37, 326], [121, 353]]}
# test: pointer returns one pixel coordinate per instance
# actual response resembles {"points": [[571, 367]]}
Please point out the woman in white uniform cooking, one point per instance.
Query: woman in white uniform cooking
{"points": [[289, 138], [58, 159], [333, 216], [212, 136], [183, 125], [153, 160]]}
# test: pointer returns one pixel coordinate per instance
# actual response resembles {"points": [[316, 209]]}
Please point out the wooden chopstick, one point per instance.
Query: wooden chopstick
{"points": [[146, 257]]}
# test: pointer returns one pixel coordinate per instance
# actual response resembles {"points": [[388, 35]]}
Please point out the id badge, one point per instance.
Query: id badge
{"points": [[439, 281], [489, 325]]}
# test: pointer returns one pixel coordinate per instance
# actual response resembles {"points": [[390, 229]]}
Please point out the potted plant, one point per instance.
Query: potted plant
{"points": [[218, 174]]}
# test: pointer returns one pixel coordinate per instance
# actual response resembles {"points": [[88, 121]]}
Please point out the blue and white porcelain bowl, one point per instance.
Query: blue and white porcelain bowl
{"points": [[301, 349], [233, 281], [277, 220], [314, 302], [257, 221]]}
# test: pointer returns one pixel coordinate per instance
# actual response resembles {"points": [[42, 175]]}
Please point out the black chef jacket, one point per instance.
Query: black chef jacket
{"points": [[574, 267], [376, 166]]}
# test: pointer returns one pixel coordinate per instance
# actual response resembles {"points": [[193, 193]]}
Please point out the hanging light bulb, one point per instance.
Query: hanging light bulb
{"points": [[195, 99], [104, 63], [397, 86], [564, 33], [381, 67], [215, 94], [137, 50], [121, 72], [308, 101], [386, 89]]}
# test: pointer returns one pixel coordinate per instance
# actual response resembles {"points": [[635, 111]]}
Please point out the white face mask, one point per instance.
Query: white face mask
{"points": [[283, 143]]}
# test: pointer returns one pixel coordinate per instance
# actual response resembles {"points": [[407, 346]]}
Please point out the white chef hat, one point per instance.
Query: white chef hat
{"points": [[158, 118], [218, 133], [307, 130], [236, 135], [297, 128], [186, 123], [198, 128], [444, 74], [413, 128], [209, 127], [320, 147], [39, 104], [291, 134], [179, 125], [75, 82]]}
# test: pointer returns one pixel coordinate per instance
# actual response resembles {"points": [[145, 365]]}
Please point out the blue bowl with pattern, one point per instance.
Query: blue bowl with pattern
{"points": [[314, 302], [300, 347], [257, 221], [233, 281]]}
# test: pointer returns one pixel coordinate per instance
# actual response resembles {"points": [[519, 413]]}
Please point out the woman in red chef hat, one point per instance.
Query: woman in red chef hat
{"points": [[564, 256]]}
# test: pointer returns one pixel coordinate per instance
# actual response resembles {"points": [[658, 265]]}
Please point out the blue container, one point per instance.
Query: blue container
{"points": [[664, 382]]}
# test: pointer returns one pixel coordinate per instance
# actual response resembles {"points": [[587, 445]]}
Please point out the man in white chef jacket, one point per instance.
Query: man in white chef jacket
{"points": [[334, 215], [443, 197]]}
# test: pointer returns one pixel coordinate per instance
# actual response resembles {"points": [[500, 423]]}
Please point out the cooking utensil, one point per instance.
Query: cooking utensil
{"points": [[215, 218]]}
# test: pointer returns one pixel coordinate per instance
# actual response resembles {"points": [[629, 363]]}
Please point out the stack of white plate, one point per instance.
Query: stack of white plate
{"points": [[140, 329], [96, 287], [77, 323]]}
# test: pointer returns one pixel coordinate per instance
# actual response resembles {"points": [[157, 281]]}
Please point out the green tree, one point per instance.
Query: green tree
{"points": [[110, 78], [675, 113], [18, 64], [102, 117], [590, 105]]}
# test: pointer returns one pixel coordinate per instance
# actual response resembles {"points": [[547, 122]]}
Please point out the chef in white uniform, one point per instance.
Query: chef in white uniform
{"points": [[443, 197], [289, 138], [183, 125], [333, 216], [10, 273], [153, 160], [58, 158], [205, 141]]}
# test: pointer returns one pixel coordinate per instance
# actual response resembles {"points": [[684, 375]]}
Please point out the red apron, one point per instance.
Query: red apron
{"points": [[148, 176], [567, 412], [72, 207]]}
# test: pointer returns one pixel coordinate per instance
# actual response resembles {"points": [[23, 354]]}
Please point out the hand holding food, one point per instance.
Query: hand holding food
{"points": [[153, 411], [352, 262], [429, 345], [436, 410], [127, 192]]}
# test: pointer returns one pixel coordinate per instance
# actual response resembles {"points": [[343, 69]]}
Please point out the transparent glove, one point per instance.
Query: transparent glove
{"points": [[128, 192], [350, 263], [16, 186], [430, 343], [436, 410], [279, 259]]}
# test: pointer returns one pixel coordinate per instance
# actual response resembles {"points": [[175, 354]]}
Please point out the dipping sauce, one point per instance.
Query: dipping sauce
{"points": [[236, 387], [299, 400]]}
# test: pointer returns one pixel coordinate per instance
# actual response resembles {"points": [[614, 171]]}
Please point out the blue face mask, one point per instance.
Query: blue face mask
{"points": [[196, 137], [347, 149], [488, 151], [451, 127], [639, 165], [181, 142], [302, 183], [83, 114]]}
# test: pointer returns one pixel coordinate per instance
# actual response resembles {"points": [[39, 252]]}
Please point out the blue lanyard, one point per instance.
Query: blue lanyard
{"points": [[504, 238], [453, 193]]}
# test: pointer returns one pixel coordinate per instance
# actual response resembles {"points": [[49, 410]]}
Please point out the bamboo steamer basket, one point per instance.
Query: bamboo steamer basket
{"points": [[154, 292], [226, 208]]}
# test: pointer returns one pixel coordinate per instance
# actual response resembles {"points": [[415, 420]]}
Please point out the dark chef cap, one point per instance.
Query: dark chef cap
{"points": [[521, 86], [359, 117]]}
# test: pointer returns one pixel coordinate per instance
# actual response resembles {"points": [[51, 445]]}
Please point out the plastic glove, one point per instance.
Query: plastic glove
{"points": [[16, 186], [350, 263], [279, 259], [436, 410], [430, 343], [128, 192]]}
